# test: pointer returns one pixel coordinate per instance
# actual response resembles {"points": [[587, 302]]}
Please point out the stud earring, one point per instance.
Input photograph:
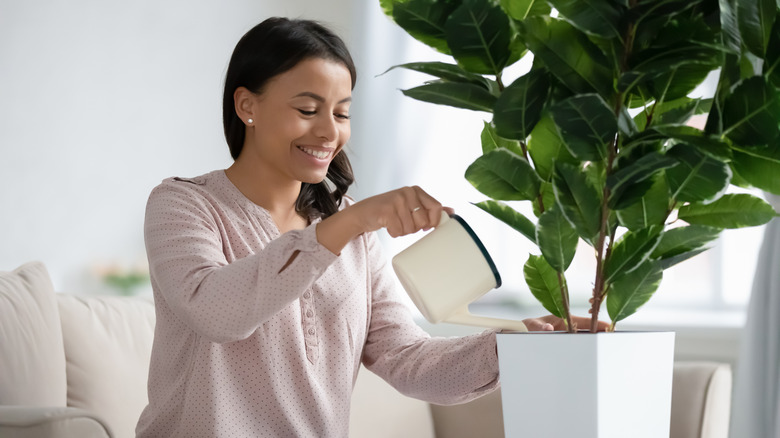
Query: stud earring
{"points": [[250, 121]]}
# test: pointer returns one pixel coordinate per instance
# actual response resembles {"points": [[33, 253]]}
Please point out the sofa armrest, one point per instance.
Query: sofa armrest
{"points": [[50, 422]]}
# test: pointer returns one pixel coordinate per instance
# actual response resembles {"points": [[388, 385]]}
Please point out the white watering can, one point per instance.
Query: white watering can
{"points": [[448, 269]]}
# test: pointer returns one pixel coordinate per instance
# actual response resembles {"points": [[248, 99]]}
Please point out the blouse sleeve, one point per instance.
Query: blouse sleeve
{"points": [[438, 370], [222, 301]]}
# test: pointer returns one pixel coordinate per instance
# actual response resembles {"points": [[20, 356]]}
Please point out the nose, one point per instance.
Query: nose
{"points": [[326, 128]]}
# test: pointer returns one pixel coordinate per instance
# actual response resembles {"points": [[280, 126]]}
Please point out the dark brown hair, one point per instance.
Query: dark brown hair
{"points": [[271, 48]]}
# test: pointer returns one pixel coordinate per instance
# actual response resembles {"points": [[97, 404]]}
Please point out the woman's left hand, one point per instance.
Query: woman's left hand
{"points": [[553, 323]]}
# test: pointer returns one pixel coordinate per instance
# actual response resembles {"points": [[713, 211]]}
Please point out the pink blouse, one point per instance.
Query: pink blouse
{"points": [[251, 344]]}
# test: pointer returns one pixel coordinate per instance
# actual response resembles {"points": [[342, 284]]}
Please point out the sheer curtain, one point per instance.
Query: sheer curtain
{"points": [[756, 404]]}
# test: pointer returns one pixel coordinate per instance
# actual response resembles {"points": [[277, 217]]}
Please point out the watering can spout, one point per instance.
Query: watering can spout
{"points": [[463, 316]]}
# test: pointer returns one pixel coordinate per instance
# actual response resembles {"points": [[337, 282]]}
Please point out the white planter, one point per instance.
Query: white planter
{"points": [[605, 385]]}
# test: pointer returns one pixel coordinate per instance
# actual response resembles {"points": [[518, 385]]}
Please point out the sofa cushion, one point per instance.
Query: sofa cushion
{"points": [[32, 361], [108, 343]]}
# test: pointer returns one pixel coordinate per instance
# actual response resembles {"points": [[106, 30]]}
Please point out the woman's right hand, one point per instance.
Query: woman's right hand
{"points": [[402, 211]]}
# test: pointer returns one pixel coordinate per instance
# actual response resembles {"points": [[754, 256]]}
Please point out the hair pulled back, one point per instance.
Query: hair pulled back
{"points": [[271, 48]]}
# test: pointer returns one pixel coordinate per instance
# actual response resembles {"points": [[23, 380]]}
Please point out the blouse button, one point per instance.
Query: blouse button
{"points": [[311, 331], [309, 313], [307, 295]]}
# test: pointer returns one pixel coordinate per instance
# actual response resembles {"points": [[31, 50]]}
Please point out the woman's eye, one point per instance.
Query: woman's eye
{"points": [[343, 116], [307, 113]]}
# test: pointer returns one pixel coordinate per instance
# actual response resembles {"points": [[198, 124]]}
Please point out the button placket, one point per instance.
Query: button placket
{"points": [[309, 326]]}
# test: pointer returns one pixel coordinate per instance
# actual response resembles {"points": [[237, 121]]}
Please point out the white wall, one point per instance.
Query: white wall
{"points": [[99, 101]]}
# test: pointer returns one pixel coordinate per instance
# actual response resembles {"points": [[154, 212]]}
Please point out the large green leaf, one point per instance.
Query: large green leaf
{"points": [[675, 112], [760, 167], [447, 72], [459, 95], [631, 251], [755, 18], [519, 107], [546, 147], [624, 183], [478, 35], [750, 113], [697, 177], [729, 25], [580, 201], [557, 239], [596, 17], [511, 217], [543, 281], [706, 143], [652, 209], [424, 20], [772, 59], [632, 290], [587, 125], [491, 140], [730, 211], [522, 9], [569, 55], [503, 175], [682, 243]]}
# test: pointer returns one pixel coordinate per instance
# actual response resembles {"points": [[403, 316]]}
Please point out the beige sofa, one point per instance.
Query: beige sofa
{"points": [[75, 366]]}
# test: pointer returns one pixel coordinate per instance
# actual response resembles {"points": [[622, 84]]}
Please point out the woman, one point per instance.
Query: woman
{"points": [[269, 284]]}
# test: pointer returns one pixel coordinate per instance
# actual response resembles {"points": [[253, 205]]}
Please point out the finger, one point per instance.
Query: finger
{"points": [[430, 204], [404, 204]]}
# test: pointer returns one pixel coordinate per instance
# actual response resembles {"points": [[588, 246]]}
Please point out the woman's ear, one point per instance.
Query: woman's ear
{"points": [[244, 105]]}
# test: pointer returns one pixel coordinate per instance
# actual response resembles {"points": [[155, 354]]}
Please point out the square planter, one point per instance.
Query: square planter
{"points": [[584, 385]]}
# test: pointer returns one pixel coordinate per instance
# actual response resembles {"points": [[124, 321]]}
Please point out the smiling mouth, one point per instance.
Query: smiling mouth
{"points": [[317, 154]]}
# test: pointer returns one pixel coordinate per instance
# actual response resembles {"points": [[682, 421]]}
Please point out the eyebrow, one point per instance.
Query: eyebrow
{"points": [[319, 98]]}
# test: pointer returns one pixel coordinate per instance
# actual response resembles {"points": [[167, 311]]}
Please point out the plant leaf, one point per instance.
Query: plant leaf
{"points": [[424, 20], [511, 217], [730, 211], [587, 124], [750, 113], [459, 95], [675, 112], [519, 107], [652, 209], [447, 72], [547, 192], [557, 239], [522, 9], [760, 167], [478, 34], [697, 177], [546, 147], [491, 140], [569, 55], [640, 170], [595, 17], [630, 251], [632, 290], [682, 243], [503, 175], [579, 200], [542, 280], [729, 25], [755, 18]]}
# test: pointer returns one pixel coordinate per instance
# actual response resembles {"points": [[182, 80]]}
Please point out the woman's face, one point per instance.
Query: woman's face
{"points": [[301, 121]]}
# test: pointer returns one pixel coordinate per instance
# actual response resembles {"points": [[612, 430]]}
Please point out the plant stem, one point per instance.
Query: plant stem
{"points": [[565, 301], [499, 81]]}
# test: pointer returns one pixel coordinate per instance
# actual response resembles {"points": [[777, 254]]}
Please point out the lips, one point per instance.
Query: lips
{"points": [[315, 153]]}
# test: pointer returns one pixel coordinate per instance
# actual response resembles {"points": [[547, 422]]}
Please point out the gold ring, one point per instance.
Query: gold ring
{"points": [[416, 208]]}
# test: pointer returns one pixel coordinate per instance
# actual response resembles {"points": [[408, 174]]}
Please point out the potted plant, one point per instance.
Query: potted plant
{"points": [[596, 134]]}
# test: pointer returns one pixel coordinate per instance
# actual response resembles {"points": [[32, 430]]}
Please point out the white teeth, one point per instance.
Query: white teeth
{"points": [[318, 154]]}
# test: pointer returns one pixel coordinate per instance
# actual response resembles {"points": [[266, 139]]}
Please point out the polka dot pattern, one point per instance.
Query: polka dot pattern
{"points": [[244, 350]]}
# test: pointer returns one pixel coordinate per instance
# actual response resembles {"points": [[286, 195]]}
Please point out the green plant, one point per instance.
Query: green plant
{"points": [[595, 134]]}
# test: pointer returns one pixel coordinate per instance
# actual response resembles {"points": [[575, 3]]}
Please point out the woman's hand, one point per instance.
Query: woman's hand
{"points": [[552, 322], [402, 211]]}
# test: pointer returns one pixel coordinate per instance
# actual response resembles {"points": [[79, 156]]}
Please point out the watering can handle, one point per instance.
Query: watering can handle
{"points": [[463, 316]]}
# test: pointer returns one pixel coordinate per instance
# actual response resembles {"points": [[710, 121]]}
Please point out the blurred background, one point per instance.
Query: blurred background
{"points": [[102, 99]]}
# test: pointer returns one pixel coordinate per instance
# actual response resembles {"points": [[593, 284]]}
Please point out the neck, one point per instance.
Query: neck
{"points": [[273, 194]]}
